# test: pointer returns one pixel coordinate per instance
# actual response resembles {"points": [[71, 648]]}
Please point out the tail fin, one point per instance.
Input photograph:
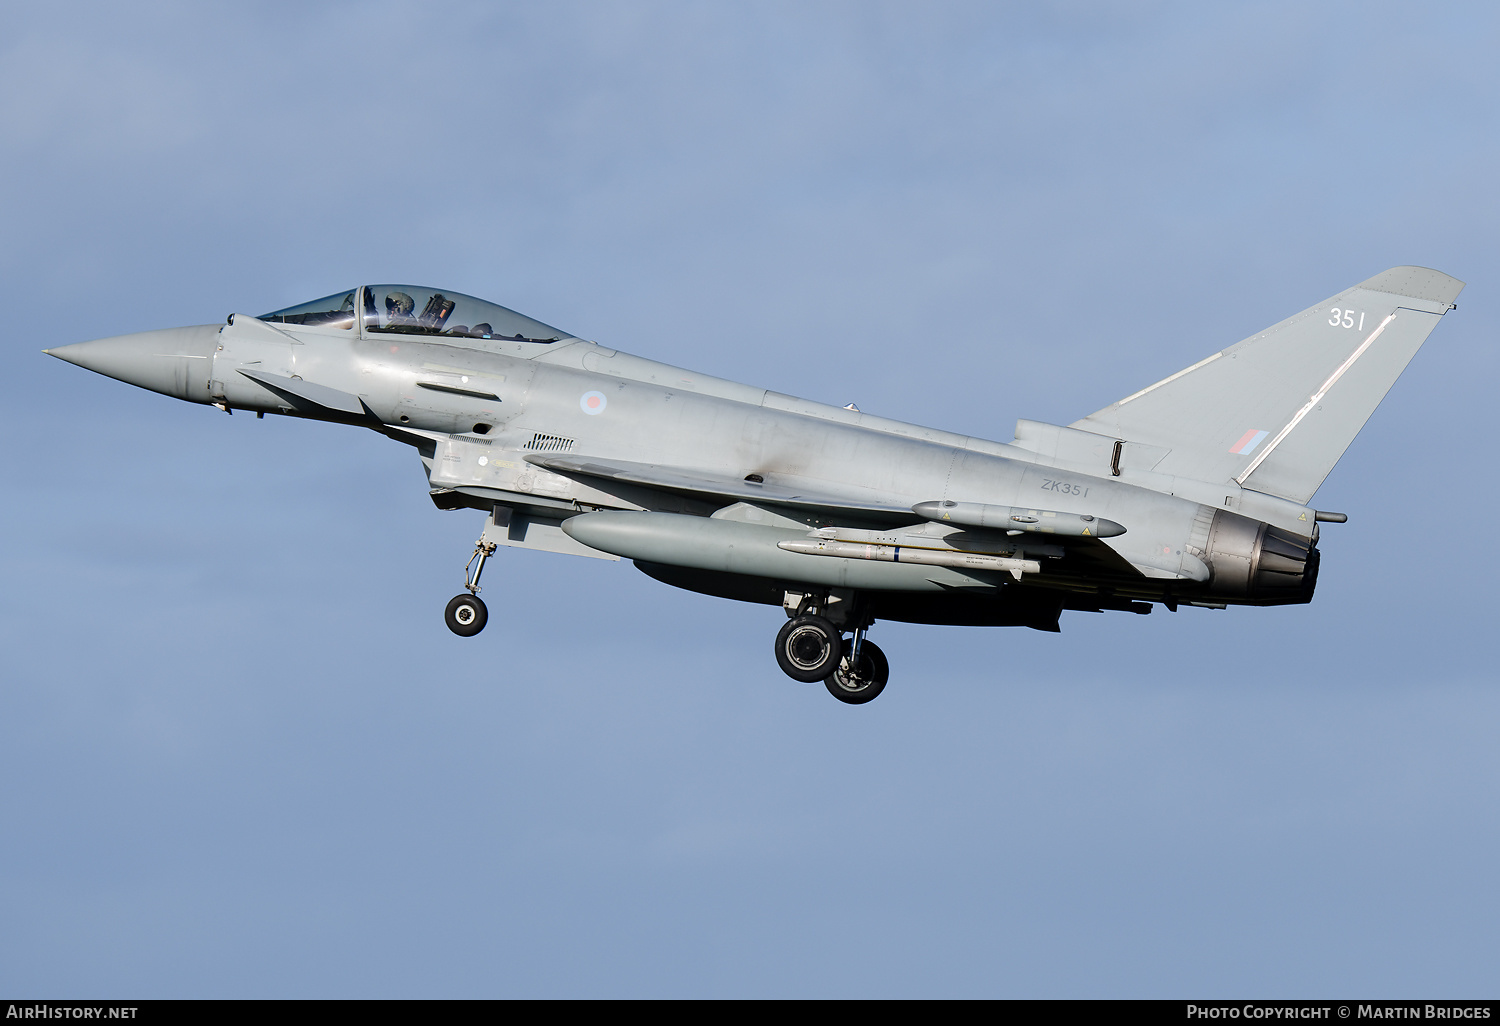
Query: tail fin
{"points": [[1276, 411]]}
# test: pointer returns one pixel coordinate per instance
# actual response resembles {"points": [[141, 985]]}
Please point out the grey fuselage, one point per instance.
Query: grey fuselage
{"points": [[482, 412]]}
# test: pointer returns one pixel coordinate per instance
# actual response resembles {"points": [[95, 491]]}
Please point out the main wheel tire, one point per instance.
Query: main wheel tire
{"points": [[859, 685], [466, 615], [808, 648]]}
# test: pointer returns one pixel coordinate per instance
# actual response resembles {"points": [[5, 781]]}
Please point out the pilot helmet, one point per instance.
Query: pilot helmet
{"points": [[399, 304]]}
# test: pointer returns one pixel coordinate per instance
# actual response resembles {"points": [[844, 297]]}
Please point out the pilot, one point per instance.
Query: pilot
{"points": [[398, 308], [482, 330]]}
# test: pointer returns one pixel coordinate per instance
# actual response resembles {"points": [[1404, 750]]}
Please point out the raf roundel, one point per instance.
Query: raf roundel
{"points": [[593, 403]]}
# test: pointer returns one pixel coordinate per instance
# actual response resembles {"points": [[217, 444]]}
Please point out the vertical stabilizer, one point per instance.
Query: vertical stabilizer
{"points": [[1276, 411]]}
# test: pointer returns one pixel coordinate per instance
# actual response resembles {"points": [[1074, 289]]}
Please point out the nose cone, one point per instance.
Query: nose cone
{"points": [[176, 361]]}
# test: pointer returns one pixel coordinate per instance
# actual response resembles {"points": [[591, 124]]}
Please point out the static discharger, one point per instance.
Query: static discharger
{"points": [[1015, 519]]}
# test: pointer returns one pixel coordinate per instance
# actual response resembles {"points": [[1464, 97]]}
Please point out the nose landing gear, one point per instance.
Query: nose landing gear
{"points": [[810, 647], [467, 614]]}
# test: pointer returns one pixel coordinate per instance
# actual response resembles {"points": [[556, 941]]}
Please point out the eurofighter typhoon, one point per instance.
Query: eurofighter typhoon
{"points": [[1193, 491]]}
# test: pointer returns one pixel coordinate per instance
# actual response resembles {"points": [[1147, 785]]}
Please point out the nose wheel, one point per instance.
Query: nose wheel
{"points": [[466, 615]]}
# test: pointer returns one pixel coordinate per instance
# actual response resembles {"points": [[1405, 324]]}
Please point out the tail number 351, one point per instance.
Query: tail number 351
{"points": [[1347, 318]]}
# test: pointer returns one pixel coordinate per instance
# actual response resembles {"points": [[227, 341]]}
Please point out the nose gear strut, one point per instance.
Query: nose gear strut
{"points": [[482, 551], [466, 615]]}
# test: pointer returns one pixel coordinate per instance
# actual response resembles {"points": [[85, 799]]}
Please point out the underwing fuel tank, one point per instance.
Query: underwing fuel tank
{"points": [[724, 546]]}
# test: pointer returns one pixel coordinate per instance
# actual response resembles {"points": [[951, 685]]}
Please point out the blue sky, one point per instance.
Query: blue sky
{"points": [[240, 755]]}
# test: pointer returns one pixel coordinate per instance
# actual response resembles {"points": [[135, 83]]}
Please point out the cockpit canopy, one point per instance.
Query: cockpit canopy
{"points": [[335, 311], [415, 310]]}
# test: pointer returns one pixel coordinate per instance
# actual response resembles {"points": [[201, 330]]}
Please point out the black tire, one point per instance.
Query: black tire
{"points": [[864, 684], [808, 648], [466, 615]]}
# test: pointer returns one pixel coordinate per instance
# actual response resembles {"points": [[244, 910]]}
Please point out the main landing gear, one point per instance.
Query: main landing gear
{"points": [[811, 647], [466, 614]]}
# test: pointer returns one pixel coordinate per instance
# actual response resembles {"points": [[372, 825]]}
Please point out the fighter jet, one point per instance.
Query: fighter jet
{"points": [[1193, 491]]}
